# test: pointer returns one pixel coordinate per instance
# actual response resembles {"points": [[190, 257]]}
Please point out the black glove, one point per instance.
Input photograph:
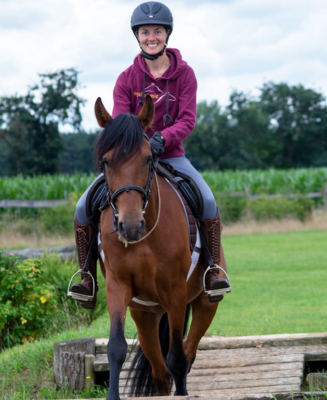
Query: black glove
{"points": [[157, 143]]}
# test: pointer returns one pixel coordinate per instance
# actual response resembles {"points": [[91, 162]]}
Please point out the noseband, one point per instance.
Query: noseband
{"points": [[146, 193]]}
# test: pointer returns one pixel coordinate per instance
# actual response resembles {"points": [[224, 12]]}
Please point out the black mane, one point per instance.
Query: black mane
{"points": [[124, 134]]}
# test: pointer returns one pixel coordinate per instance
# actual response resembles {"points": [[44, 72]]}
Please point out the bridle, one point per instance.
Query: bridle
{"points": [[146, 192]]}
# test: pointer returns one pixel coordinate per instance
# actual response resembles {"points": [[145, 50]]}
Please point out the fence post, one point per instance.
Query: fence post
{"points": [[89, 371], [324, 195]]}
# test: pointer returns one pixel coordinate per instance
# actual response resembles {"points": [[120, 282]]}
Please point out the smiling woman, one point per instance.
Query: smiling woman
{"points": [[161, 73]]}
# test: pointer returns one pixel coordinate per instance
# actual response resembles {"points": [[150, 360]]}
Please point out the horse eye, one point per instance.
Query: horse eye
{"points": [[149, 159], [106, 162]]}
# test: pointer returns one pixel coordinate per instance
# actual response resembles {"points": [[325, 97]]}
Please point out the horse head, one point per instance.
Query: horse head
{"points": [[124, 152]]}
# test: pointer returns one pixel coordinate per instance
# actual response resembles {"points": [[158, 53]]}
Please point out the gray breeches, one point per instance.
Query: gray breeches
{"points": [[181, 164]]}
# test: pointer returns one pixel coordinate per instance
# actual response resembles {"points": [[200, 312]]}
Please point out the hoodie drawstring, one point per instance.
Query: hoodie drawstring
{"points": [[142, 101], [167, 107]]}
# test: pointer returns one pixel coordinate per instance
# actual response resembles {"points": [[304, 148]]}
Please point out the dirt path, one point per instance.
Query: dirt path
{"points": [[317, 221]]}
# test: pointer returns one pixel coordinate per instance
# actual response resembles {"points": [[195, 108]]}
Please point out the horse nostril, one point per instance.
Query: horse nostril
{"points": [[121, 227], [142, 225]]}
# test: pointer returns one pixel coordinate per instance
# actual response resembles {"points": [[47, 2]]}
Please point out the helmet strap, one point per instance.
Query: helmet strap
{"points": [[154, 56]]}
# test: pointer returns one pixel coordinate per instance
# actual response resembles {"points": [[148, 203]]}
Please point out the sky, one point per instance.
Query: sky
{"points": [[230, 44]]}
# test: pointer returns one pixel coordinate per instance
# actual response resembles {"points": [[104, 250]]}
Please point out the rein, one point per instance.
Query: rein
{"points": [[121, 239], [146, 193]]}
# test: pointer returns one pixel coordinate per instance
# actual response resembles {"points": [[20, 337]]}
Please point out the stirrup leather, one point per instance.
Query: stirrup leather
{"points": [[216, 292], [78, 296]]}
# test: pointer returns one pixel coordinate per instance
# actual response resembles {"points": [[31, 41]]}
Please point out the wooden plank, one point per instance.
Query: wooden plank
{"points": [[101, 345], [101, 362], [299, 339], [229, 395], [291, 382], [317, 381], [280, 392], [217, 342], [297, 366], [247, 361], [254, 376], [311, 352]]}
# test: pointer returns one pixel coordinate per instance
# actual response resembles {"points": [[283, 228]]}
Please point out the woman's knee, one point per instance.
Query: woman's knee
{"points": [[210, 208]]}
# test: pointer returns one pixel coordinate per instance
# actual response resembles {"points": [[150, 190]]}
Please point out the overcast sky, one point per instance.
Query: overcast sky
{"points": [[230, 44]]}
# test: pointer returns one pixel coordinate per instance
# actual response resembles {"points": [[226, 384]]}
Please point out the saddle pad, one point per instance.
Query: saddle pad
{"points": [[191, 221], [185, 185]]}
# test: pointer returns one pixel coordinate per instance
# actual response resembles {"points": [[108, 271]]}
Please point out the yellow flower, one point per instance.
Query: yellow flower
{"points": [[43, 299], [88, 377], [23, 320]]}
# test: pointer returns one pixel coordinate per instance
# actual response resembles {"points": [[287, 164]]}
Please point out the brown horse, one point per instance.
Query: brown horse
{"points": [[147, 261]]}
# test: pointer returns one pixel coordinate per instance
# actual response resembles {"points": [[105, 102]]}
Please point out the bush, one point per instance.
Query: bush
{"points": [[281, 207], [27, 303], [59, 219], [231, 208], [58, 273]]}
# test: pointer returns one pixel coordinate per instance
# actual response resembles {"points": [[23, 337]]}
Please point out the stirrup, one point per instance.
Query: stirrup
{"points": [[216, 292], [78, 296]]}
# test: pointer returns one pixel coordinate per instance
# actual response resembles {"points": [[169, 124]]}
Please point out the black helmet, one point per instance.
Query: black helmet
{"points": [[152, 13]]}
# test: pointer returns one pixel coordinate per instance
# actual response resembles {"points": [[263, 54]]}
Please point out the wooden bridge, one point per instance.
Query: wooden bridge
{"points": [[250, 367]]}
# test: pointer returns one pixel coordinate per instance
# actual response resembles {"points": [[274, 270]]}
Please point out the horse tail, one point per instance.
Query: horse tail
{"points": [[140, 382]]}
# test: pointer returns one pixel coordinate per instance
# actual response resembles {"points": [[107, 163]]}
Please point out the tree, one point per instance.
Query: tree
{"points": [[206, 146], [249, 126], [77, 155], [29, 125], [298, 118]]}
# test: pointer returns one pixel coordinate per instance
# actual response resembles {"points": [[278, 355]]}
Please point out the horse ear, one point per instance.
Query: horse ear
{"points": [[102, 115], [146, 114]]}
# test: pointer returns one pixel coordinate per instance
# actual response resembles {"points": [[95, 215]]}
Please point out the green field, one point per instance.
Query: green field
{"points": [[279, 285], [54, 187]]}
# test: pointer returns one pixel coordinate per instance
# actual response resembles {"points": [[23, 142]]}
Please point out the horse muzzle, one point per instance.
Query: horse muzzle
{"points": [[131, 231]]}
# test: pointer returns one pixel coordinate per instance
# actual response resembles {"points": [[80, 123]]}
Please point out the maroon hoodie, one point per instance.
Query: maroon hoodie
{"points": [[178, 108]]}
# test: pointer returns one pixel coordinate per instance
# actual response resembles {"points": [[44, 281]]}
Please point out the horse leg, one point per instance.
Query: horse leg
{"points": [[118, 296], [176, 358], [203, 313], [148, 333]]}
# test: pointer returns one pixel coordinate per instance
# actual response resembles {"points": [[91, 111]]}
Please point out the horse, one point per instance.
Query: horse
{"points": [[147, 257]]}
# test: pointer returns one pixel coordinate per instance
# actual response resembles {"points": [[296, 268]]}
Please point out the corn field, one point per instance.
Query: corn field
{"points": [[271, 181], [47, 187]]}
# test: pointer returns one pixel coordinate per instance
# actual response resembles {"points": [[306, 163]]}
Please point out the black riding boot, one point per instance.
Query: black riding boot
{"points": [[216, 281], [85, 244]]}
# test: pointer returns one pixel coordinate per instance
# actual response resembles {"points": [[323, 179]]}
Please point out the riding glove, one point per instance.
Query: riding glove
{"points": [[157, 143]]}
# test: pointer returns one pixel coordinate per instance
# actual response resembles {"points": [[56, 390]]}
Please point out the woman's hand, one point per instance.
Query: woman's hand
{"points": [[157, 143]]}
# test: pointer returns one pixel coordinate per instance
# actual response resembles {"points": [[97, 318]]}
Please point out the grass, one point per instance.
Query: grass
{"points": [[28, 368], [278, 286]]}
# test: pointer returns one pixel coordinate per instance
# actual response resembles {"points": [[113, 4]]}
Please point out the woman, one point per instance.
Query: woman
{"points": [[171, 82]]}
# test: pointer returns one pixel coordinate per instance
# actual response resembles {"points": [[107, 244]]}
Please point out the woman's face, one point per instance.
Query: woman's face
{"points": [[152, 38]]}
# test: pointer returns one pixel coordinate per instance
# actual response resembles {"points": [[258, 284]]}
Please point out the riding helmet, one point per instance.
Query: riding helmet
{"points": [[152, 13]]}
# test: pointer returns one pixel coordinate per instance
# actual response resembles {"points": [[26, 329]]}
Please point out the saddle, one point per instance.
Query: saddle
{"points": [[184, 186]]}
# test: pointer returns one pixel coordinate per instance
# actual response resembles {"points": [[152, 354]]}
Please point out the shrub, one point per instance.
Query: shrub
{"points": [[231, 208], [27, 303], [279, 207], [58, 273], [59, 219]]}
